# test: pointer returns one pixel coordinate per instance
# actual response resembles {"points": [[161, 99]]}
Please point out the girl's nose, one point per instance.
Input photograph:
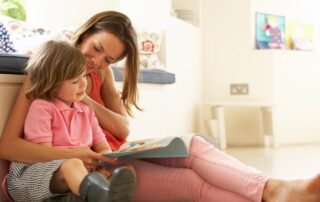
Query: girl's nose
{"points": [[83, 82]]}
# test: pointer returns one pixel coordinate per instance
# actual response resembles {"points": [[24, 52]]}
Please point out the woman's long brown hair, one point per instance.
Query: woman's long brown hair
{"points": [[119, 25]]}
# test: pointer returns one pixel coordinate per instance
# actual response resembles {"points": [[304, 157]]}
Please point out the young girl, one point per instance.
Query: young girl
{"points": [[57, 118]]}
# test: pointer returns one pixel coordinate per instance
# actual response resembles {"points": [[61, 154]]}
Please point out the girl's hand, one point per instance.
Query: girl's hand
{"points": [[106, 173], [90, 158]]}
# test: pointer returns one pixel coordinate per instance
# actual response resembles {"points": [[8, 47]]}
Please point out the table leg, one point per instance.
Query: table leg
{"points": [[270, 126], [219, 110]]}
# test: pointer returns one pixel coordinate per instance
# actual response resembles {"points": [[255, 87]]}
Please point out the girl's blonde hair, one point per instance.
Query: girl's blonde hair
{"points": [[119, 25], [52, 64]]}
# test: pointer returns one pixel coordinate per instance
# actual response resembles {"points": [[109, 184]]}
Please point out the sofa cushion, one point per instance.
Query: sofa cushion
{"points": [[13, 63], [152, 76], [16, 64]]}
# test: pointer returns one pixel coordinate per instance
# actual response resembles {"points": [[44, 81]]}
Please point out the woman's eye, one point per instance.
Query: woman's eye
{"points": [[107, 61], [96, 48]]}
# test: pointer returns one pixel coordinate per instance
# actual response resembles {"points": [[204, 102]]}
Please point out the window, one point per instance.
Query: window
{"points": [[13, 8]]}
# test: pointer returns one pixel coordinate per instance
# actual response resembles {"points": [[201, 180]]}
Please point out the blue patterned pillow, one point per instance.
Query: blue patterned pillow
{"points": [[6, 45]]}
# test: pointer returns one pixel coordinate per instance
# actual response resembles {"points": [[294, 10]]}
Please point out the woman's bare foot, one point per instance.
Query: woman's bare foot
{"points": [[292, 190]]}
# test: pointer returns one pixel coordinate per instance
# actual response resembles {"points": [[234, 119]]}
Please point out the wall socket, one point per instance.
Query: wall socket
{"points": [[239, 89]]}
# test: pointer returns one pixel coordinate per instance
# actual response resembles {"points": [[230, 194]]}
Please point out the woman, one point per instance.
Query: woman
{"points": [[207, 175]]}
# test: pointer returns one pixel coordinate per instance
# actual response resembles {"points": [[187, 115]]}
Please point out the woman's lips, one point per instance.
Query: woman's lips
{"points": [[90, 66]]}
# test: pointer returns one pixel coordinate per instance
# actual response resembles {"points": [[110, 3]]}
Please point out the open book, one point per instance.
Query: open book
{"points": [[177, 146]]}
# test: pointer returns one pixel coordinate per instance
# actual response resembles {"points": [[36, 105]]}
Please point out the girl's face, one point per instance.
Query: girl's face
{"points": [[73, 90], [101, 49]]}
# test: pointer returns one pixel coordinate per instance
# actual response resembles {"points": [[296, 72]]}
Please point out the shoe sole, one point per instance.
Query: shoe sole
{"points": [[122, 185]]}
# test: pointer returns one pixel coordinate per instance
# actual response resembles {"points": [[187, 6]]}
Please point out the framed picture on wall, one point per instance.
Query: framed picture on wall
{"points": [[270, 31], [300, 35]]}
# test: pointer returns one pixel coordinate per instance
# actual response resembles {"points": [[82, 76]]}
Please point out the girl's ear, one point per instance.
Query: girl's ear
{"points": [[57, 92]]}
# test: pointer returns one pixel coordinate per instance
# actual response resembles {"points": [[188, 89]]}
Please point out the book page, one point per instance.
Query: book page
{"points": [[174, 146], [146, 144]]}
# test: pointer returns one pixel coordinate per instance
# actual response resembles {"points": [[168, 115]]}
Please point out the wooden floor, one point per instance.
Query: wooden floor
{"points": [[289, 162]]}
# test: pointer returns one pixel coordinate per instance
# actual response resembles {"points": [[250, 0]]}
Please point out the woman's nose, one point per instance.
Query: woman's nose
{"points": [[92, 62], [97, 62]]}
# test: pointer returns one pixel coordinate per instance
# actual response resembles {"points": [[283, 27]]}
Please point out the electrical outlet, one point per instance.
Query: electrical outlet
{"points": [[239, 89]]}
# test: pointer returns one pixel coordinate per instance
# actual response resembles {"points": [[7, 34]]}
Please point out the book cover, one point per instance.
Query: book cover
{"points": [[176, 146]]}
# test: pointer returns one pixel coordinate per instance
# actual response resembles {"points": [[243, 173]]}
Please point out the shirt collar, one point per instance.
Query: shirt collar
{"points": [[61, 106]]}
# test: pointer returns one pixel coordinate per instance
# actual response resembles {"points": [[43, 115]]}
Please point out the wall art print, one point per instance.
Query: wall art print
{"points": [[270, 31]]}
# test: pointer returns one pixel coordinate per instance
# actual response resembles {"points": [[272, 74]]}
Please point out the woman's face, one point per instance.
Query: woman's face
{"points": [[101, 49]]}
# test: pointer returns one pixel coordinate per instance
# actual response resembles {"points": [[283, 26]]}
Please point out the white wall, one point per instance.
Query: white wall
{"points": [[57, 13], [173, 109], [287, 78], [226, 48], [168, 109]]}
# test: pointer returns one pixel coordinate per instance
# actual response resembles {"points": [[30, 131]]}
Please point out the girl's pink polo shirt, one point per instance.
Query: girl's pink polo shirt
{"points": [[62, 125]]}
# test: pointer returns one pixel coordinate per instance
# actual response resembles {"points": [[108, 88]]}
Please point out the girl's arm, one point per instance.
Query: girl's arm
{"points": [[14, 148], [102, 148], [113, 116]]}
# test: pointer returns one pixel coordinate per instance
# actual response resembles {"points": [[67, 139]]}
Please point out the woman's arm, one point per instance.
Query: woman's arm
{"points": [[14, 148], [12, 145], [113, 116]]}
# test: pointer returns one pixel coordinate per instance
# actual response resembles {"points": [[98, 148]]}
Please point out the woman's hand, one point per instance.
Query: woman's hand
{"points": [[86, 100], [90, 158]]}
